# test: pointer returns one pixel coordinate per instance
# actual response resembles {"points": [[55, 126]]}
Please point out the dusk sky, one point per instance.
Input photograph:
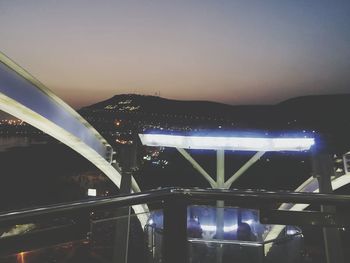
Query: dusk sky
{"points": [[236, 52]]}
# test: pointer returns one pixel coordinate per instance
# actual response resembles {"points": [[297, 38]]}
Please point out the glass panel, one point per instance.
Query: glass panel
{"points": [[207, 251], [290, 249], [241, 242], [243, 238], [238, 224], [154, 233], [102, 238], [110, 239]]}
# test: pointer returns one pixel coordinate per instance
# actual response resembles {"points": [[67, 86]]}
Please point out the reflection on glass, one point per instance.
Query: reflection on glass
{"points": [[244, 238]]}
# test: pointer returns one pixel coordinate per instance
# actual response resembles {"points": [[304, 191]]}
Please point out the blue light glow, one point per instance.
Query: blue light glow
{"points": [[212, 228], [228, 142]]}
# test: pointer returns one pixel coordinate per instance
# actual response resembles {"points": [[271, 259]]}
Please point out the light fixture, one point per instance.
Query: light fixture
{"points": [[228, 142]]}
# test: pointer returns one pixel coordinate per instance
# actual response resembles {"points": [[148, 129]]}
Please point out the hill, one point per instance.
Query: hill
{"points": [[322, 114]]}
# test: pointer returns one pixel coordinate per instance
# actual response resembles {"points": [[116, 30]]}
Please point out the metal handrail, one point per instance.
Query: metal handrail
{"points": [[83, 206], [174, 202], [261, 196], [191, 195]]}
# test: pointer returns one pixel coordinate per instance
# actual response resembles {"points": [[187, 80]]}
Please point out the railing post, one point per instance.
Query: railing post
{"points": [[175, 247], [122, 227], [122, 231], [323, 170], [220, 204]]}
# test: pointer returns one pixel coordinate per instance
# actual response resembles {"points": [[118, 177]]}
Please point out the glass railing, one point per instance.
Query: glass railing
{"points": [[181, 225], [244, 237], [225, 251]]}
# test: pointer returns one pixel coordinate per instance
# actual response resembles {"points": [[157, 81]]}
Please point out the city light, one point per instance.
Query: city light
{"points": [[227, 142], [20, 257], [92, 192]]}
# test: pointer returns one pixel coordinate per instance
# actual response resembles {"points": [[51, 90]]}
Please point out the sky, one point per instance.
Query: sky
{"points": [[235, 52]]}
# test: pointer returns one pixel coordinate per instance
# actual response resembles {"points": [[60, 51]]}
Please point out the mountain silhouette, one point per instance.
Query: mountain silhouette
{"points": [[321, 114]]}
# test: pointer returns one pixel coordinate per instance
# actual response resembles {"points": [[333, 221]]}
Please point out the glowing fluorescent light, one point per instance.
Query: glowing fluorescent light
{"points": [[211, 228], [227, 143]]}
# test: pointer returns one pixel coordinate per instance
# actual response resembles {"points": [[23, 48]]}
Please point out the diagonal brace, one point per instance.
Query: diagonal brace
{"points": [[197, 166], [244, 168]]}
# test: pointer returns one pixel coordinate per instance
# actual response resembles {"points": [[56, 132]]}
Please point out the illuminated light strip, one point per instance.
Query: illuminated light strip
{"points": [[226, 228], [227, 143], [212, 228]]}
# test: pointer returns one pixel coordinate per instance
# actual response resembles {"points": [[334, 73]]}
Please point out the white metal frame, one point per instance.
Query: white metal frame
{"points": [[310, 185], [222, 143], [61, 122], [220, 168]]}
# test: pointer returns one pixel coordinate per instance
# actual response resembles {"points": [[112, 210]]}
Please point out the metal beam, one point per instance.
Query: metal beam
{"points": [[220, 204], [122, 226], [24, 97], [19, 85], [323, 170], [123, 214], [220, 168], [174, 241], [244, 168], [309, 185], [197, 166]]}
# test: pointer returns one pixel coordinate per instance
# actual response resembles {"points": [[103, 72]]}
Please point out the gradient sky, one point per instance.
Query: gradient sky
{"points": [[237, 52]]}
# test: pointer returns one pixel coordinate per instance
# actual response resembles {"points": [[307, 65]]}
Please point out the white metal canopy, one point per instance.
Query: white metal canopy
{"points": [[245, 142], [228, 142]]}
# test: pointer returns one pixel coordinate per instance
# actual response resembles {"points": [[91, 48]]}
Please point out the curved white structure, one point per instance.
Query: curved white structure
{"points": [[24, 97]]}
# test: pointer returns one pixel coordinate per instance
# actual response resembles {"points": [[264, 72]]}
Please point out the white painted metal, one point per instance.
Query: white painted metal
{"points": [[346, 159], [275, 231], [197, 166], [220, 168], [24, 97], [19, 85], [220, 204], [243, 169]]}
